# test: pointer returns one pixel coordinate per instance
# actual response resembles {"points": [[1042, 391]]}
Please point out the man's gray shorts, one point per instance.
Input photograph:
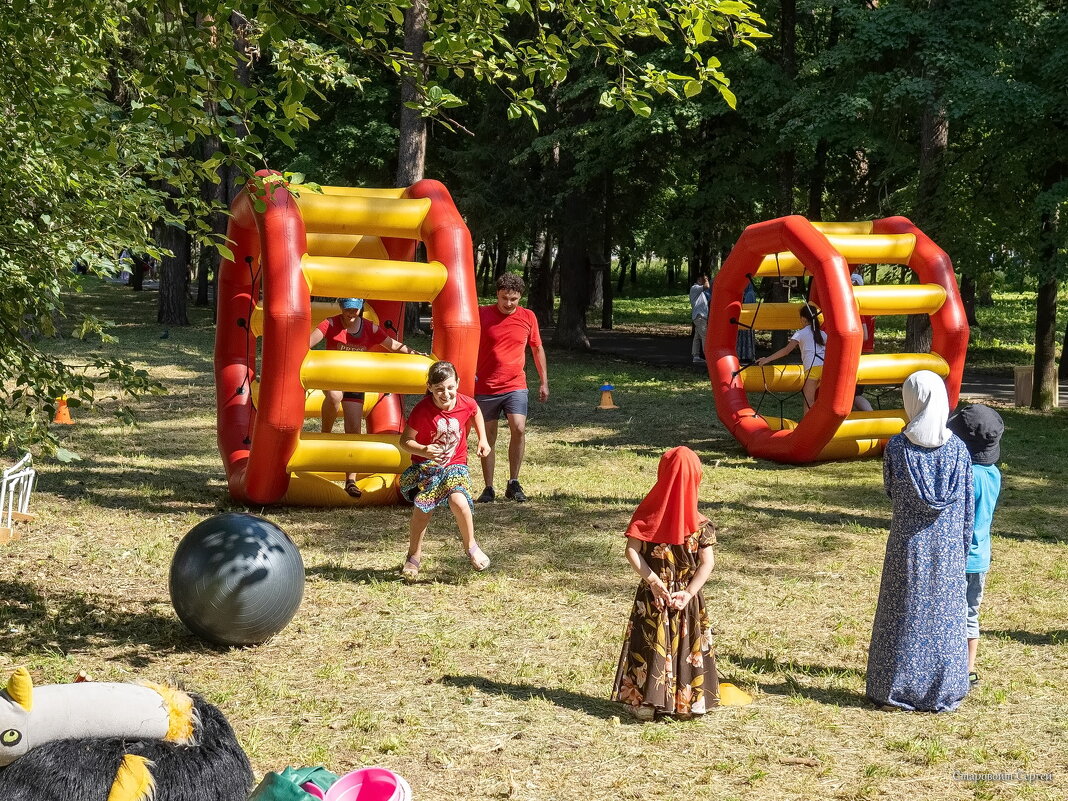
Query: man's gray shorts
{"points": [[495, 406]]}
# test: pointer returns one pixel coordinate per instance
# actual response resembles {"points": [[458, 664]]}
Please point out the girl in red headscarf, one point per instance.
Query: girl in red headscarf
{"points": [[668, 665]]}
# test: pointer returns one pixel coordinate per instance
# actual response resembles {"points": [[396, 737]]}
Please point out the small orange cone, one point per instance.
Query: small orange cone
{"points": [[606, 397], [62, 413], [729, 695]]}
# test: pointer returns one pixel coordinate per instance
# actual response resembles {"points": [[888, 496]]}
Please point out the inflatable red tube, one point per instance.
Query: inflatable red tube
{"points": [[455, 309], [830, 272]]}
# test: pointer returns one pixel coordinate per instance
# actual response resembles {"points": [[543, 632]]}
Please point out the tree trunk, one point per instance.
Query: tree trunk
{"points": [[411, 148], [485, 269], [1045, 375], [1045, 346], [174, 277], [500, 266], [777, 293], [607, 232], [574, 273], [411, 155], [816, 180], [540, 292], [138, 268], [788, 56], [934, 139], [625, 255], [967, 297]]}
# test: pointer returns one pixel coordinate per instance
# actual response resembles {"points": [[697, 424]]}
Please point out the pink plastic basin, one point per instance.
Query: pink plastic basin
{"points": [[366, 784]]}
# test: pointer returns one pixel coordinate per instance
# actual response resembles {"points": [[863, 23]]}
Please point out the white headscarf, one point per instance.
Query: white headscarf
{"points": [[927, 407]]}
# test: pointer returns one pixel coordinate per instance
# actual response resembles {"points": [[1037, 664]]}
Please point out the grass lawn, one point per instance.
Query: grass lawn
{"points": [[494, 685]]}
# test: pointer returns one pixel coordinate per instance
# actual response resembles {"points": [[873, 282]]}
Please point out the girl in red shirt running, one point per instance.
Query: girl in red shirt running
{"points": [[436, 437]]}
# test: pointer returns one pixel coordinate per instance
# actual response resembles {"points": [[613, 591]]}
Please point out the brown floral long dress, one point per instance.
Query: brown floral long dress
{"points": [[668, 659]]}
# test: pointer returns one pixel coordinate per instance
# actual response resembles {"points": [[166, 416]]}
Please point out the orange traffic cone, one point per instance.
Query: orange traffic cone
{"points": [[62, 413], [606, 397]]}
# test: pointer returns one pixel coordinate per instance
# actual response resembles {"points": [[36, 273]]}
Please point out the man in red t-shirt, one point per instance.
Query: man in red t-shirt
{"points": [[501, 380]]}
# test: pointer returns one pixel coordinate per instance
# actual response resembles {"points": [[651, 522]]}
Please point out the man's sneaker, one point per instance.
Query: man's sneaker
{"points": [[515, 492], [487, 495]]}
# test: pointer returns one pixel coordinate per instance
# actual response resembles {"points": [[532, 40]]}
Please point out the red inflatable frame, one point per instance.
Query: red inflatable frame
{"points": [[257, 441], [841, 321]]}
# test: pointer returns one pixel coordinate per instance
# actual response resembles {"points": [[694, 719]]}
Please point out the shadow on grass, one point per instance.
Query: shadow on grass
{"points": [[1057, 637], [32, 623], [355, 576], [595, 707], [790, 686]]}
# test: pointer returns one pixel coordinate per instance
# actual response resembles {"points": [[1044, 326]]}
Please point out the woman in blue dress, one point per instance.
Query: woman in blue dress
{"points": [[918, 658]]}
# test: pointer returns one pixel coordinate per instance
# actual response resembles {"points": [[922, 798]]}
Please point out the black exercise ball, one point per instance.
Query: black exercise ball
{"points": [[236, 579]]}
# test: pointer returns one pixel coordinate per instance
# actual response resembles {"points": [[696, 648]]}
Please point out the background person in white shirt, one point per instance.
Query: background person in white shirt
{"points": [[699, 315], [812, 342]]}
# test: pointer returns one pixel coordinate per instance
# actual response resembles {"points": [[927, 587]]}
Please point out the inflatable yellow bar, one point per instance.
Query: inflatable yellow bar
{"points": [[309, 489], [772, 316], [894, 368], [841, 448], [848, 448], [780, 423], [873, 300], [360, 371], [882, 424], [900, 298], [776, 377], [845, 228], [363, 191], [360, 453], [874, 368], [313, 402], [351, 245], [856, 249], [379, 279], [359, 214], [320, 310]]}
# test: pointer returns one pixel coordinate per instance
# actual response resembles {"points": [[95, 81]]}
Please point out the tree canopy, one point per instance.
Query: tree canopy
{"points": [[117, 114]]}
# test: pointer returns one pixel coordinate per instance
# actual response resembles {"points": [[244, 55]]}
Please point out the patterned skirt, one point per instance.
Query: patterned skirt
{"points": [[428, 486]]}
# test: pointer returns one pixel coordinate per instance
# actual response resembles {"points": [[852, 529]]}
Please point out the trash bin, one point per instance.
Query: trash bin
{"points": [[1024, 383]]}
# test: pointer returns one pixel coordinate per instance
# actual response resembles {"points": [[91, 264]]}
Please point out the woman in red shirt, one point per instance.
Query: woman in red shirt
{"points": [[350, 331]]}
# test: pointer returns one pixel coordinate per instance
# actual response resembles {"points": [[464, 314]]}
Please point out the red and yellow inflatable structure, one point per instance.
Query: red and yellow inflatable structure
{"points": [[342, 242], [794, 246]]}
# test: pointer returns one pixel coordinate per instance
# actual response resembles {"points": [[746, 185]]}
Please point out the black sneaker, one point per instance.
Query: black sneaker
{"points": [[515, 492], [487, 495], [973, 678]]}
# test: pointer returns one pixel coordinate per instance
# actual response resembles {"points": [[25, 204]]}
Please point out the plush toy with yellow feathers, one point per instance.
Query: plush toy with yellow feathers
{"points": [[96, 741]]}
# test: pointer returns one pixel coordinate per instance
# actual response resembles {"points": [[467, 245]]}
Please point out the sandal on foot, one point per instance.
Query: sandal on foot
{"points": [[479, 560], [643, 712], [410, 570], [351, 488]]}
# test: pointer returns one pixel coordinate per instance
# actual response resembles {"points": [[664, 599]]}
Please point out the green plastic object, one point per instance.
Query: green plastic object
{"points": [[285, 786]]}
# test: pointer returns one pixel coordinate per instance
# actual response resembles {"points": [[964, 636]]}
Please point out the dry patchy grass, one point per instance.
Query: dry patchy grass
{"points": [[483, 686]]}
